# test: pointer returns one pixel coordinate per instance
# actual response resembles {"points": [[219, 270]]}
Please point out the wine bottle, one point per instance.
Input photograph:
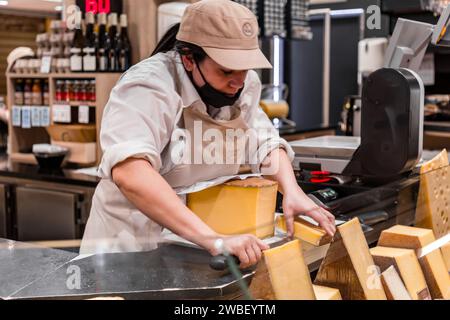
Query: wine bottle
{"points": [[103, 44], [76, 51], [125, 44], [90, 45], [113, 39]]}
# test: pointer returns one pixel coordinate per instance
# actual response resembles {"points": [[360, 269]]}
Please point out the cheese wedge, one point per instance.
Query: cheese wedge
{"points": [[433, 209], [306, 231], [393, 285], [408, 267], [446, 253], [238, 207], [349, 266], [289, 274], [432, 263], [326, 293], [400, 236]]}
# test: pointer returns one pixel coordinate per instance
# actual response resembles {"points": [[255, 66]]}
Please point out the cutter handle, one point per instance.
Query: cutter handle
{"points": [[220, 262]]}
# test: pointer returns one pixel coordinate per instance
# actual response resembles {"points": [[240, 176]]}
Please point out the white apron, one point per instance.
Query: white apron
{"points": [[113, 231]]}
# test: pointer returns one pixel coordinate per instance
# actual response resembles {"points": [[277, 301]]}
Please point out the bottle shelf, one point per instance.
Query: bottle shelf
{"points": [[75, 103], [81, 139], [71, 75]]}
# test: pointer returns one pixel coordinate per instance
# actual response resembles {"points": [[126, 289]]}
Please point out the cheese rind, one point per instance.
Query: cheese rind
{"points": [[408, 267], [288, 272], [326, 293], [357, 248], [446, 254], [400, 236], [306, 231], [433, 209], [432, 264], [349, 266], [237, 207]]}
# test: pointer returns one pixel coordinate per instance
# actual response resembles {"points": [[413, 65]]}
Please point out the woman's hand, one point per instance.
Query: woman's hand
{"points": [[247, 248], [297, 202]]}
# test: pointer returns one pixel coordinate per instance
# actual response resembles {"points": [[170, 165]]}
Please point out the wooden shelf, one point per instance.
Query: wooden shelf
{"points": [[27, 76], [81, 153], [75, 103], [81, 75]]}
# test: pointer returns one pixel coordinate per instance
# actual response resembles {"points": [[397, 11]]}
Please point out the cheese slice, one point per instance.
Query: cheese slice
{"points": [[349, 265], [433, 209], [326, 293], [393, 285], [238, 207], [408, 267], [446, 253], [288, 272], [432, 263], [306, 231]]}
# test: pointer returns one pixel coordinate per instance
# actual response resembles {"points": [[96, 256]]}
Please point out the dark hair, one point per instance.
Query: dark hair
{"points": [[169, 42]]}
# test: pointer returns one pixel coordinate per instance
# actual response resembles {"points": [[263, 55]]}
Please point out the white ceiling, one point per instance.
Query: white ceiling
{"points": [[31, 5]]}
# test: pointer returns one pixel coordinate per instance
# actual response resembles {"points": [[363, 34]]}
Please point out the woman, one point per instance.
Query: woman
{"points": [[199, 78]]}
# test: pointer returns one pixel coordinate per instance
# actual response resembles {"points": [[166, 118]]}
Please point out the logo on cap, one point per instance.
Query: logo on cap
{"points": [[247, 29]]}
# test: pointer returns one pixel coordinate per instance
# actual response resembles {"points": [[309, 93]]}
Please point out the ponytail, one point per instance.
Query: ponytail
{"points": [[168, 41]]}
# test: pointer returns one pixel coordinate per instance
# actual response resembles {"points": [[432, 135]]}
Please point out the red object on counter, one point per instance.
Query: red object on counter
{"points": [[320, 173], [320, 180]]}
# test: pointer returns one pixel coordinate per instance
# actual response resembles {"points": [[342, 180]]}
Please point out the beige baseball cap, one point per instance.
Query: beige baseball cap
{"points": [[227, 31]]}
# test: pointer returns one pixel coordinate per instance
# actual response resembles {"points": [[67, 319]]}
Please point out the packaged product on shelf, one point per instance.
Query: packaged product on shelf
{"points": [[35, 116], [16, 116], [44, 116], [45, 93], [27, 92], [26, 117], [18, 92], [36, 98], [91, 92]]}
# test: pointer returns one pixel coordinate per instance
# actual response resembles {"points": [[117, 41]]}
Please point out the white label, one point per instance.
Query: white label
{"points": [[61, 113], [83, 114], [44, 116], [76, 63], [16, 121], [35, 117], [46, 64], [89, 63], [26, 117], [103, 63]]}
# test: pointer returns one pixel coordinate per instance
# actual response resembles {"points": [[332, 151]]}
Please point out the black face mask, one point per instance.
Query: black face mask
{"points": [[214, 97]]}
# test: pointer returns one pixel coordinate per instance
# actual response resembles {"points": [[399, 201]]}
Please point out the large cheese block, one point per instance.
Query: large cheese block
{"points": [[446, 254], [432, 263], [433, 209], [349, 266], [288, 272], [306, 231], [326, 293], [393, 285], [238, 207], [408, 267]]}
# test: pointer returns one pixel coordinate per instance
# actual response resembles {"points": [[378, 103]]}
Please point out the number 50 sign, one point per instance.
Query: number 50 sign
{"points": [[98, 6]]}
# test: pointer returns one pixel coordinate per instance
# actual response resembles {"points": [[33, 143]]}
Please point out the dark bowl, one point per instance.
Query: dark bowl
{"points": [[50, 160]]}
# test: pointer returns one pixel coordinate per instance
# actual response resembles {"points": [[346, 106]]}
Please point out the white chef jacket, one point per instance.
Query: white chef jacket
{"points": [[144, 108]]}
